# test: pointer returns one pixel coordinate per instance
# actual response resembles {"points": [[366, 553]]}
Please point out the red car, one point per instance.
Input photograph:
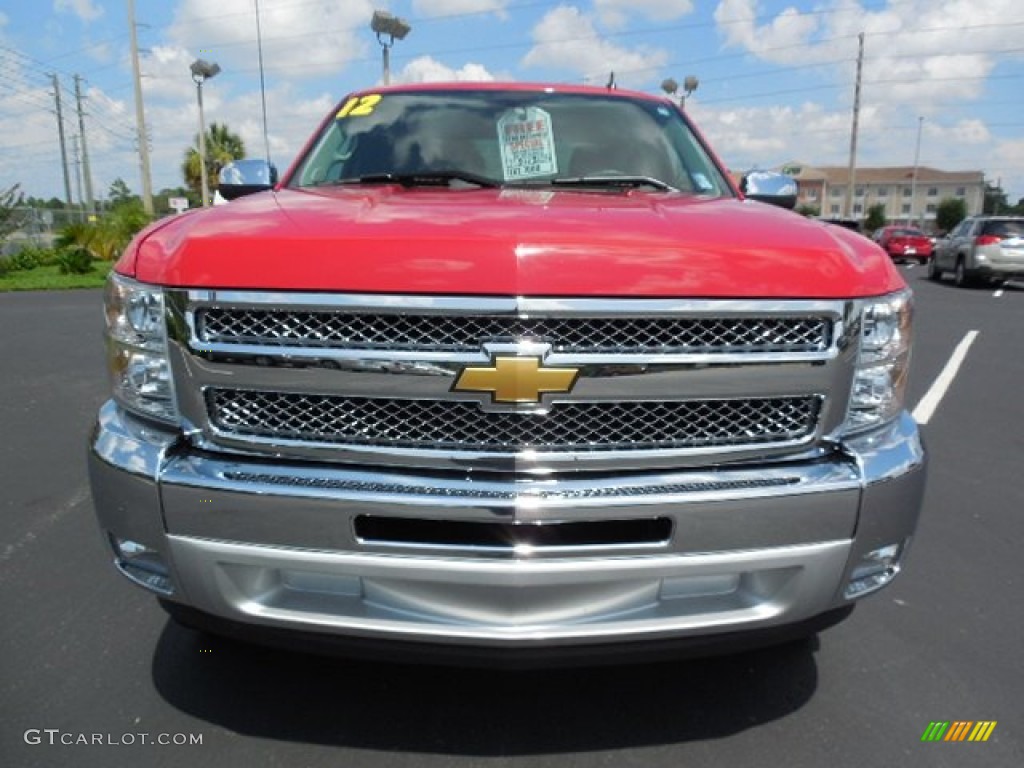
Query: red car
{"points": [[905, 243]]}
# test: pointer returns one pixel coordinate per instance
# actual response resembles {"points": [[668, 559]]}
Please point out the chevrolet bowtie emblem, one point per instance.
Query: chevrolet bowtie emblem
{"points": [[516, 380]]}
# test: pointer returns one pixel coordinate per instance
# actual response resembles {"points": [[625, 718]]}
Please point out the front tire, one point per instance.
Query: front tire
{"points": [[934, 273]]}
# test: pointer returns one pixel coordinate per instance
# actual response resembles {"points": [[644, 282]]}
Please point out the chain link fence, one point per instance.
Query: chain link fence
{"points": [[39, 227]]}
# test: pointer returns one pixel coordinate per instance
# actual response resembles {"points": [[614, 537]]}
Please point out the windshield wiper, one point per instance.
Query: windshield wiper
{"points": [[628, 182], [423, 179]]}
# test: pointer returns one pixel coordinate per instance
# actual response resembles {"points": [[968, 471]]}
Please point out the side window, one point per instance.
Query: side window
{"points": [[961, 228]]}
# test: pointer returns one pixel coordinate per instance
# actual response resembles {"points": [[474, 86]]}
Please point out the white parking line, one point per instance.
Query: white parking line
{"points": [[999, 291], [926, 408]]}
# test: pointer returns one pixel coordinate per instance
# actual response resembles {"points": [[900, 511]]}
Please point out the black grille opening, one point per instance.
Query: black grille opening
{"points": [[464, 426], [457, 533], [463, 333]]}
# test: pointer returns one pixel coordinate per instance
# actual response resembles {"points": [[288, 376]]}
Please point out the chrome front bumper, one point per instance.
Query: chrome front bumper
{"points": [[276, 544]]}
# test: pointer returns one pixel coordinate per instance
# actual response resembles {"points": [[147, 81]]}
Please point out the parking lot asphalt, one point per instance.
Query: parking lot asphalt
{"points": [[83, 653]]}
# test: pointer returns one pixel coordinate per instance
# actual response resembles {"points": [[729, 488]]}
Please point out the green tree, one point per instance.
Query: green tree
{"points": [[119, 192], [810, 211], [222, 146], [875, 218], [949, 212], [995, 199], [106, 237]]}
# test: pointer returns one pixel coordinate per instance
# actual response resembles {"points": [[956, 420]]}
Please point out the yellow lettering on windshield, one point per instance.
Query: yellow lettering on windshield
{"points": [[359, 106]]}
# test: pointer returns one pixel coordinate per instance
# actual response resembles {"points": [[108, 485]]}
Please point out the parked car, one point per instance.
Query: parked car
{"points": [[507, 370], [981, 249], [905, 244]]}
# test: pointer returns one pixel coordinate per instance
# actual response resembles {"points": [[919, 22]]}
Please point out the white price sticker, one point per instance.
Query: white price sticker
{"points": [[527, 144]]}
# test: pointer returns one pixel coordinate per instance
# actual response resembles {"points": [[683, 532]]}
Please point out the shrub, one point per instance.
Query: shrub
{"points": [[47, 256], [23, 260], [74, 261]]}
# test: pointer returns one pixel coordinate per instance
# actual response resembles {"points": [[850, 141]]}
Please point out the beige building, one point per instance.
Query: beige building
{"points": [[826, 188]]}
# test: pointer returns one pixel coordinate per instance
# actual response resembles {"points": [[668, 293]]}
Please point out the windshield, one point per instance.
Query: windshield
{"points": [[509, 138]]}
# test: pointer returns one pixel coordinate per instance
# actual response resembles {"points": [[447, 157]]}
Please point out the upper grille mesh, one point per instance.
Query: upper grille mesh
{"points": [[461, 333], [464, 426]]}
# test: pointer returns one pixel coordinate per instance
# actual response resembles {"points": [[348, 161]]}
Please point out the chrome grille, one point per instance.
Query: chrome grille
{"points": [[452, 425], [466, 332], [362, 486]]}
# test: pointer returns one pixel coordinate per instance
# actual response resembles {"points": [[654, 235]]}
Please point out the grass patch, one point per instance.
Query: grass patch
{"points": [[49, 278]]}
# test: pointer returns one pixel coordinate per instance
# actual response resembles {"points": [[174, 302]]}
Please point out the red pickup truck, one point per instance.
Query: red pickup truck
{"points": [[512, 370]]}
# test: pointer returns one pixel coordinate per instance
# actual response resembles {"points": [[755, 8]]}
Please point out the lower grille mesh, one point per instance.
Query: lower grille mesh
{"points": [[464, 426]]}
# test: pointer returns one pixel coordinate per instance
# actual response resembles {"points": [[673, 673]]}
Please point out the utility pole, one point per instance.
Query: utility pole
{"points": [[140, 115], [78, 177], [63, 144], [85, 147], [852, 175], [913, 178]]}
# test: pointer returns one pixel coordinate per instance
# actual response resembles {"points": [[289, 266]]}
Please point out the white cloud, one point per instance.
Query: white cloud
{"points": [[1007, 167], [737, 20], [926, 53], [615, 13], [566, 39], [434, 8], [971, 132], [86, 10], [425, 69], [303, 39]]}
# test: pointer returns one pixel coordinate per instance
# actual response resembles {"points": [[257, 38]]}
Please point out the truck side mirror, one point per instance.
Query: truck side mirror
{"points": [[243, 177], [770, 187]]}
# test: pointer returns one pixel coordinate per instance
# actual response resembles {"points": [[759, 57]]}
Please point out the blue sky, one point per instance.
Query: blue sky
{"points": [[776, 79]]}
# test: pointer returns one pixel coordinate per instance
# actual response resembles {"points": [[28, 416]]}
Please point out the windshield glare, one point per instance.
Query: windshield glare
{"points": [[511, 138]]}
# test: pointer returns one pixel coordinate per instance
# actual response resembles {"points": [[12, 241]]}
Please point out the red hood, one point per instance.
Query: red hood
{"points": [[511, 242]]}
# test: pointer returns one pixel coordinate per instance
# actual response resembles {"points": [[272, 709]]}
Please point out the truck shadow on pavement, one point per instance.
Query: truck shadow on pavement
{"points": [[395, 707]]}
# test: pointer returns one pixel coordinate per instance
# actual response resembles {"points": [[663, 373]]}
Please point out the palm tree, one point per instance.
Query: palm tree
{"points": [[222, 146]]}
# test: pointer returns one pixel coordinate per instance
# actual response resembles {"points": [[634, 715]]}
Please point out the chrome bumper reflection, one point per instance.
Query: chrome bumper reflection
{"points": [[268, 542]]}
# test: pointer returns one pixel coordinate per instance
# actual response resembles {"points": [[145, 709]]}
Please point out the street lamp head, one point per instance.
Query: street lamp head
{"points": [[670, 86], [690, 84], [384, 23], [203, 70]]}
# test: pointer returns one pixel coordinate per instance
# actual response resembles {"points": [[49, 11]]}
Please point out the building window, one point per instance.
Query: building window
{"points": [[961, 191], [906, 208], [859, 191], [933, 191], [837, 191], [929, 209], [907, 192], [834, 210], [858, 208], [883, 191]]}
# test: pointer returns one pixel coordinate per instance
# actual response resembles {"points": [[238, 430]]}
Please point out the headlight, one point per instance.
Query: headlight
{"points": [[137, 348], [880, 381]]}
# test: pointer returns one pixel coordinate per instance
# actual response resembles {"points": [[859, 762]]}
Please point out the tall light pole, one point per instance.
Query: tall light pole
{"points": [[671, 87], [201, 72], [140, 115], [913, 178], [263, 82], [388, 28]]}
